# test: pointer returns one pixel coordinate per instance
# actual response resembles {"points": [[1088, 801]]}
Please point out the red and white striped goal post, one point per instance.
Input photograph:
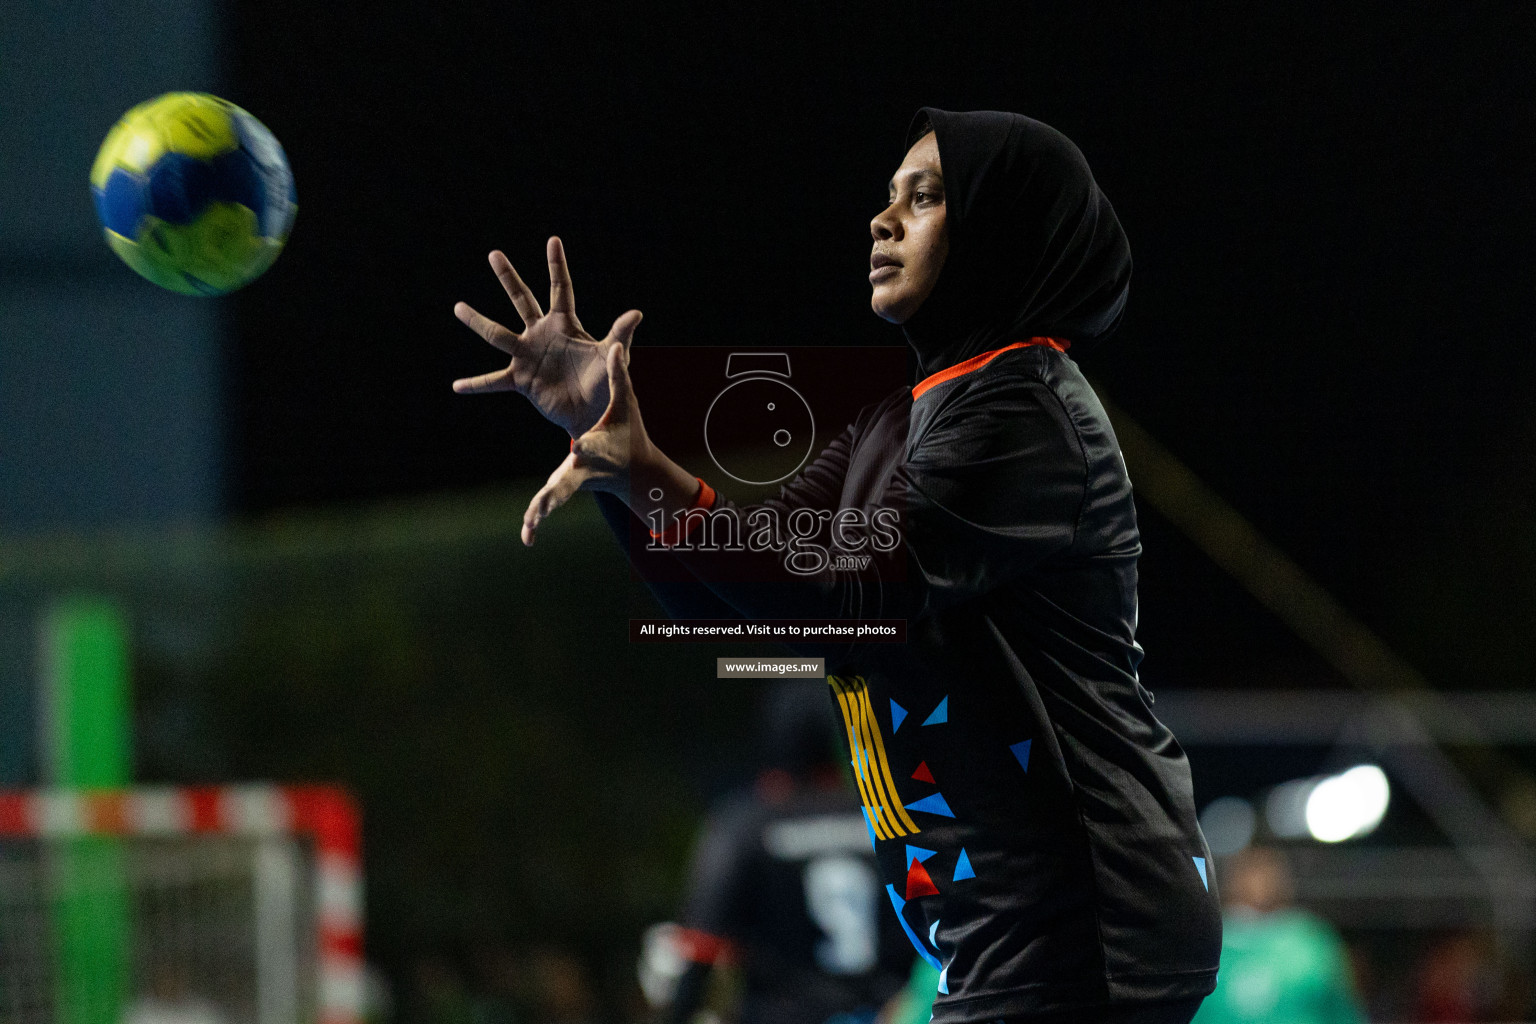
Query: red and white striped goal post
{"points": [[326, 815]]}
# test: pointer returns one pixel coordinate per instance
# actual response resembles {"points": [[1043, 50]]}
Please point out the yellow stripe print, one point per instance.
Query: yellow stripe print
{"points": [[870, 768]]}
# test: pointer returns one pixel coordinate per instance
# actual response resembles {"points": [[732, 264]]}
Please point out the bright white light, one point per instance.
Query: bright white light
{"points": [[1344, 806]]}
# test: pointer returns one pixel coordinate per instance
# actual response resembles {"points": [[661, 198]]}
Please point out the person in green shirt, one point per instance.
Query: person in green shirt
{"points": [[1279, 964], [914, 1003]]}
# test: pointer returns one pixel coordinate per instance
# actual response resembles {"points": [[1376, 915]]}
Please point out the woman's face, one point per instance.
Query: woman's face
{"points": [[910, 240]]}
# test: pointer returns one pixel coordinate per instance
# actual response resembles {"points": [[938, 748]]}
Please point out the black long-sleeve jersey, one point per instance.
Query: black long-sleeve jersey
{"points": [[787, 883], [1033, 820]]}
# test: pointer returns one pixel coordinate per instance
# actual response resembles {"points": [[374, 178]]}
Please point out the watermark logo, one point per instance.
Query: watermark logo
{"points": [[810, 541], [759, 411], [753, 423]]}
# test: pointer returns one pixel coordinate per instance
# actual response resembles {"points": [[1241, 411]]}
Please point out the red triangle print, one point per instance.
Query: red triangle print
{"points": [[923, 774], [919, 882]]}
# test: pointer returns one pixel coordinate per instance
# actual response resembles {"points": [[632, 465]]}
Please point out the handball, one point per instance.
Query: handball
{"points": [[193, 193]]}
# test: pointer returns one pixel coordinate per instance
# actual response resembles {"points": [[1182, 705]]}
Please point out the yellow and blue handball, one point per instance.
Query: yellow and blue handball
{"points": [[194, 193]]}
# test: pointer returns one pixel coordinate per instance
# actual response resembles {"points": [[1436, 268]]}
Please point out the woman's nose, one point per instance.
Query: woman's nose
{"points": [[883, 225]]}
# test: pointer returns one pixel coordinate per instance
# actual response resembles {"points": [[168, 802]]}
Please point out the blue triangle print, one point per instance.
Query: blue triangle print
{"points": [[918, 854], [933, 805], [963, 867], [1021, 751], [940, 714], [917, 943], [933, 931], [869, 826], [944, 981], [1200, 867], [898, 715]]}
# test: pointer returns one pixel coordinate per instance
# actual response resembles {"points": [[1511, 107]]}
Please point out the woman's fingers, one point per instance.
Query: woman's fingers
{"points": [[557, 490], [623, 330], [499, 380], [487, 328], [621, 394], [604, 461], [521, 295], [562, 299]]}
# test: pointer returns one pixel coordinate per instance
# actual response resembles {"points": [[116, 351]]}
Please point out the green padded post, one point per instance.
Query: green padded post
{"points": [[87, 744]]}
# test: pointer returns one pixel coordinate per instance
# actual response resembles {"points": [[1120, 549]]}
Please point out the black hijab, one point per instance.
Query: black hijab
{"points": [[1035, 248]]}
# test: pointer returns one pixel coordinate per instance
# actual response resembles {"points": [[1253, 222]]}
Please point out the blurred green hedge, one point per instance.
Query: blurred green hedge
{"points": [[525, 772]]}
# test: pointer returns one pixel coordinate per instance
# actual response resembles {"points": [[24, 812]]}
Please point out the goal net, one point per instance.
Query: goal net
{"points": [[234, 905]]}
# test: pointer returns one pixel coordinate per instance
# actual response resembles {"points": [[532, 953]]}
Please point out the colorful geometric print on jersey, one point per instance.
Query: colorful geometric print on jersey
{"points": [[1016, 693]]}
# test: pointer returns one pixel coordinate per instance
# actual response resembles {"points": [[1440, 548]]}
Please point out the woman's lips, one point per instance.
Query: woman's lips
{"points": [[884, 272]]}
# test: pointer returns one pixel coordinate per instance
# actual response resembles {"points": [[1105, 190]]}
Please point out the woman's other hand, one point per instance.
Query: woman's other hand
{"points": [[555, 363], [602, 458]]}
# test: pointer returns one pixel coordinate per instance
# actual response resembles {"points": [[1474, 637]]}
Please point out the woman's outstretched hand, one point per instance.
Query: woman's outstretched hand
{"points": [[600, 459], [556, 364]]}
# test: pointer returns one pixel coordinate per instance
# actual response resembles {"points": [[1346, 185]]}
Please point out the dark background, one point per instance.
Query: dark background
{"points": [[312, 540], [1329, 207]]}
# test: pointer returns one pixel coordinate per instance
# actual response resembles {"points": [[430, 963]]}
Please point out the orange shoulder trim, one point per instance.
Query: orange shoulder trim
{"points": [[977, 362]]}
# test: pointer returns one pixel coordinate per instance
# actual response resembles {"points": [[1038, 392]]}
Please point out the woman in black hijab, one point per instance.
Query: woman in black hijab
{"points": [[1033, 820], [1034, 247]]}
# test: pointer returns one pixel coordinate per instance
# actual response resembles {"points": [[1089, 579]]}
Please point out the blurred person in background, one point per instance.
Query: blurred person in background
{"points": [[1279, 964], [784, 884], [914, 1003]]}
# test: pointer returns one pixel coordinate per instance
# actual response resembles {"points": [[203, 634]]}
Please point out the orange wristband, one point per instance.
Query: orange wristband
{"points": [[680, 528]]}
